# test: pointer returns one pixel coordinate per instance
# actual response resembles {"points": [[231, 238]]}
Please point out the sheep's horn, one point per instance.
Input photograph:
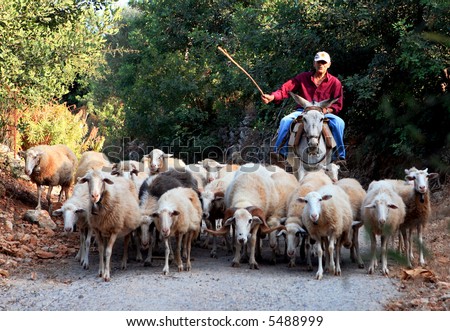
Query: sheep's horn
{"points": [[266, 230], [221, 232]]}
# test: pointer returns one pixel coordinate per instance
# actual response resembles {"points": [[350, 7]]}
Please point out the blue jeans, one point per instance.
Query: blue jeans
{"points": [[336, 124]]}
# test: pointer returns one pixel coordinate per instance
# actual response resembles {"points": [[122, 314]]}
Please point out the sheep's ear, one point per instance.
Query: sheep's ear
{"points": [[57, 212], [82, 180], [167, 155], [256, 220], [302, 199], [281, 233], [406, 171], [79, 211], [327, 197], [392, 206], [432, 175], [370, 205], [408, 177], [229, 221], [22, 154], [108, 181]]}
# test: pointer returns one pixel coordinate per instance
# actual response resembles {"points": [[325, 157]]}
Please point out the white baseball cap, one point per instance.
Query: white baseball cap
{"points": [[322, 56]]}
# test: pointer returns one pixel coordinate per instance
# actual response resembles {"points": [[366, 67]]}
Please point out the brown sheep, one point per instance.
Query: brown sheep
{"points": [[51, 166]]}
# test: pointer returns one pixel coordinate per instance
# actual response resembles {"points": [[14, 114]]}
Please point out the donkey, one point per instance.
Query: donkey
{"points": [[312, 152]]}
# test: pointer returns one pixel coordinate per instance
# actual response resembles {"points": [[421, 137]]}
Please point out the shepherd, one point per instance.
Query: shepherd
{"points": [[315, 86]]}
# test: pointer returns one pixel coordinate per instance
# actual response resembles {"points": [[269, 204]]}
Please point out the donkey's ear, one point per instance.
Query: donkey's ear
{"points": [[300, 101], [327, 103]]}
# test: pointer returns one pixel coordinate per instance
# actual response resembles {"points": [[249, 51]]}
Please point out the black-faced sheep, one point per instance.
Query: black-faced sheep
{"points": [[179, 215], [52, 166]]}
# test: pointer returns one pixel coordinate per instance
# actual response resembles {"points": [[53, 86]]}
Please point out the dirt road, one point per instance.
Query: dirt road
{"points": [[212, 285]]}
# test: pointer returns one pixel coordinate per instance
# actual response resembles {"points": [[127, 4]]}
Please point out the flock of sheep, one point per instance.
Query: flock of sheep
{"points": [[161, 198]]}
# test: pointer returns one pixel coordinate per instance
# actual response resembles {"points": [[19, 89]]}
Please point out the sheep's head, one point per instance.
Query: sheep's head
{"points": [[292, 233], [155, 160], [164, 219], [70, 214], [313, 205], [32, 161], [96, 183], [420, 178], [381, 206]]}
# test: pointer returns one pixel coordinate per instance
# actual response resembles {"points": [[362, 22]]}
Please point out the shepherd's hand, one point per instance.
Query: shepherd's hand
{"points": [[266, 98]]}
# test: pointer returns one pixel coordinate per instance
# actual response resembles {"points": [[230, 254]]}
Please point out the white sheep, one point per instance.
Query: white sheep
{"points": [[74, 212], [215, 170], [328, 215], [249, 198], [50, 165], [294, 226], [356, 194], [179, 215], [114, 212], [92, 160], [332, 171], [157, 161], [382, 211]]}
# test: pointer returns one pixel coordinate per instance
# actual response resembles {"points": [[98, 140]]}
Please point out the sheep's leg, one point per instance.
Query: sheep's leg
{"points": [[253, 242], [148, 260], [49, 195], [337, 271], [39, 190], [406, 241], [87, 243], [411, 244], [189, 236], [137, 242], [178, 252], [101, 253], [331, 245], [373, 253], [126, 243], [420, 233], [319, 273], [167, 253], [108, 252], [80, 255], [308, 253], [355, 248], [237, 254], [384, 267]]}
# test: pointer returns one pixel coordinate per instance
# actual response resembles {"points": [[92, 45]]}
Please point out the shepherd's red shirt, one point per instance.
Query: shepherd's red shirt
{"points": [[303, 85]]}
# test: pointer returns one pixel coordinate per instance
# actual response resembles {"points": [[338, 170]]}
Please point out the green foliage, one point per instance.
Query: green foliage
{"points": [[55, 124], [175, 85], [45, 46]]}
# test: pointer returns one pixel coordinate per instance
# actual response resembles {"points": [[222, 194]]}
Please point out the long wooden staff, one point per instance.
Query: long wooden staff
{"points": [[237, 64]]}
